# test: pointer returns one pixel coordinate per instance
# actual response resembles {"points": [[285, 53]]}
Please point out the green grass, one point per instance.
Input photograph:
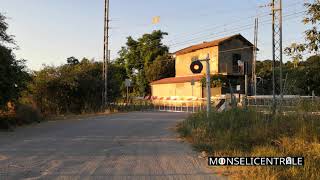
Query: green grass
{"points": [[249, 133]]}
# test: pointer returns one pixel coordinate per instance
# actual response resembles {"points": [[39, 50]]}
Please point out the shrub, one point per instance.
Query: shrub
{"points": [[27, 114], [7, 122]]}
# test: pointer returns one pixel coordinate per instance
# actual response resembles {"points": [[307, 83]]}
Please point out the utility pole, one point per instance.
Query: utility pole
{"points": [[208, 83], [106, 54], [280, 49], [273, 60], [255, 49], [276, 47]]}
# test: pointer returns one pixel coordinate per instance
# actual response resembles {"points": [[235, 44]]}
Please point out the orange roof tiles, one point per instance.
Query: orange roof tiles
{"points": [[210, 44]]}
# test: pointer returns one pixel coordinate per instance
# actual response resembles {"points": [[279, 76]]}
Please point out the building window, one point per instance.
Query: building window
{"points": [[235, 63]]}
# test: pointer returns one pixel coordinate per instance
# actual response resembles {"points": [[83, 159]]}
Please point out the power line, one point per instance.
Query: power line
{"points": [[214, 27], [235, 29], [223, 25], [224, 51], [247, 47], [233, 22]]}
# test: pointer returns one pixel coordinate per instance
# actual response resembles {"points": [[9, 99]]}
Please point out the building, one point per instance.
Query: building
{"points": [[230, 57]]}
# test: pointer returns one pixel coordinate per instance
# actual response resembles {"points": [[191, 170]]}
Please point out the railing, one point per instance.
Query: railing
{"points": [[169, 104], [185, 104], [180, 105], [220, 103], [288, 103], [288, 100]]}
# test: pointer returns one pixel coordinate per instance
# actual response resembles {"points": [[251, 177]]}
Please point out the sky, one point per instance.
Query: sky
{"points": [[49, 31]]}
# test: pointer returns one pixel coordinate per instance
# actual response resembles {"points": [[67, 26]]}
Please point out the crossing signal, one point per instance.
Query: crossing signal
{"points": [[196, 67]]}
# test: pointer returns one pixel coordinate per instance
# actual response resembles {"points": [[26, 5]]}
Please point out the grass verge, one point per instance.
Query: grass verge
{"points": [[249, 133]]}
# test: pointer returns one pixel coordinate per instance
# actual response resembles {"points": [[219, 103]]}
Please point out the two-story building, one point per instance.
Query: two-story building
{"points": [[230, 56]]}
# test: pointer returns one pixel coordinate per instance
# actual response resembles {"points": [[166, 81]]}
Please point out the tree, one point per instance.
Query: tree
{"points": [[309, 76], [312, 35], [299, 80], [75, 88], [140, 54], [4, 36], [13, 74], [116, 78], [13, 77], [72, 60], [162, 67]]}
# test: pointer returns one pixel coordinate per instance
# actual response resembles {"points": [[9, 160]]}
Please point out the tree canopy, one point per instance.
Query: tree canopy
{"points": [[75, 87], [312, 35], [145, 60], [300, 79], [4, 36], [13, 74]]}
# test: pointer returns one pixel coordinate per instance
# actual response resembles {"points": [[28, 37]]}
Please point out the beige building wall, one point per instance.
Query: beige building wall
{"points": [[177, 89], [163, 90], [183, 61], [221, 61]]}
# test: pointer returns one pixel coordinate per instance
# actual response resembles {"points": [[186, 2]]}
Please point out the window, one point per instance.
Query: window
{"points": [[235, 63]]}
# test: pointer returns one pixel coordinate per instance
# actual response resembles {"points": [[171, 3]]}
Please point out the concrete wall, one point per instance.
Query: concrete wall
{"points": [[183, 61], [177, 89]]}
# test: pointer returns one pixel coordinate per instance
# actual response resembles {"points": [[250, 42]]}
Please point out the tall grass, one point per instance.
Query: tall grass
{"points": [[240, 132]]}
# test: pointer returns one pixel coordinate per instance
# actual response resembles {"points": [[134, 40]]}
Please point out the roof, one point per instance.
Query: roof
{"points": [[182, 79], [211, 44]]}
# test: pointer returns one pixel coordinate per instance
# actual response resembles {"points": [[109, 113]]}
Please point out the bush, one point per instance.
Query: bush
{"points": [[7, 122], [27, 114], [249, 133]]}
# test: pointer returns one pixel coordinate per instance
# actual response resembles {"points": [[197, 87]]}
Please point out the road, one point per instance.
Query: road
{"points": [[119, 146]]}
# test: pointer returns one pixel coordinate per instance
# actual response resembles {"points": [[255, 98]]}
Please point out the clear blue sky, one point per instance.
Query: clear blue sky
{"points": [[49, 31]]}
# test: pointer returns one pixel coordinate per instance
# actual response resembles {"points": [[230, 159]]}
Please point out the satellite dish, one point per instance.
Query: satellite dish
{"points": [[196, 67]]}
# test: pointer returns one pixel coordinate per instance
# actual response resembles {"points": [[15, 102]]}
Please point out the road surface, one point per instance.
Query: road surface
{"points": [[118, 146]]}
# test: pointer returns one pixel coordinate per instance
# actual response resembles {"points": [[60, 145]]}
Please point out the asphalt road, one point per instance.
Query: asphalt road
{"points": [[118, 146]]}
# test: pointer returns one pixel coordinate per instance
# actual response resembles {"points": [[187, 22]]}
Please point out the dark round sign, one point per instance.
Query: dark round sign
{"points": [[196, 67]]}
